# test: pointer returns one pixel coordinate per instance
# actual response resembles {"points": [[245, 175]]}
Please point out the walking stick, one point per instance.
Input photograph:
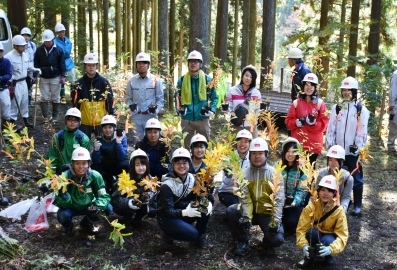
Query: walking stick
{"points": [[35, 102]]}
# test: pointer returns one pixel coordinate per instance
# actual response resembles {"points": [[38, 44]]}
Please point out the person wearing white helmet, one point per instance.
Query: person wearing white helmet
{"points": [[109, 156], [134, 208], [18, 59], [66, 140], [348, 127], [93, 104], [392, 136], [30, 49], [295, 56], [175, 216], [225, 192], [253, 209], [157, 151], [51, 61], [85, 195], [306, 118], [296, 187], [144, 94], [62, 41], [198, 147], [238, 98], [335, 160], [195, 102], [322, 229]]}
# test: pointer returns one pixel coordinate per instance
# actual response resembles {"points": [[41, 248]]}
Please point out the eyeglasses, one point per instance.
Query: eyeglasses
{"points": [[181, 163], [194, 61]]}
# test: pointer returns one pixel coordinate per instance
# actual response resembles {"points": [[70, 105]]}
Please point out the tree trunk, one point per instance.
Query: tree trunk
{"points": [[374, 32], [245, 34], [235, 42], [16, 13], [118, 28], [324, 41], [127, 33], [355, 16], [154, 31], [268, 37], [342, 33], [163, 33], [98, 28], [172, 36], [65, 18], [252, 33], [105, 34], [90, 25], [81, 26], [222, 25]]}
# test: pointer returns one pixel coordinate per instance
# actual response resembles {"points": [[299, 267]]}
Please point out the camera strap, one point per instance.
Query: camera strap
{"points": [[326, 215]]}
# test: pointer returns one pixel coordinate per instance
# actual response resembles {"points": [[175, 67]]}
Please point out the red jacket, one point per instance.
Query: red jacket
{"points": [[311, 137]]}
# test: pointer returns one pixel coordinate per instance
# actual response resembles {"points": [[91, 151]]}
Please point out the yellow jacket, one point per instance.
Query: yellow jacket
{"points": [[336, 223]]}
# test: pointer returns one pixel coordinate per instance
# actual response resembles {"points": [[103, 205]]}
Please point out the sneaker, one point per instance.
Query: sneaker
{"points": [[242, 248], [63, 100], [89, 226], [203, 243]]}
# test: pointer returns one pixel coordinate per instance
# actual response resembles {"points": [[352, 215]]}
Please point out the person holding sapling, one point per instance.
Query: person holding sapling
{"points": [[322, 230], [84, 194], [253, 209], [198, 146], [225, 192], [335, 159], [176, 215]]}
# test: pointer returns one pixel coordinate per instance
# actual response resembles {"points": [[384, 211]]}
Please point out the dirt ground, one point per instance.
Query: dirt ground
{"points": [[372, 243]]}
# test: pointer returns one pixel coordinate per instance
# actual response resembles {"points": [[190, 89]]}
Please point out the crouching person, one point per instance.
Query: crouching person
{"points": [[176, 216], [322, 230], [253, 209], [88, 199]]}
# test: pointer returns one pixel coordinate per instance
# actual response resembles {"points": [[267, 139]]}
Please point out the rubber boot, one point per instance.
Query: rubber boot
{"points": [[27, 123], [17, 128], [357, 201], [44, 110], [55, 111]]}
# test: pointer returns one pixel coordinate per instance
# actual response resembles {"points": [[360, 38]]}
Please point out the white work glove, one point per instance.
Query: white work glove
{"points": [[298, 123], [209, 114], [209, 208], [119, 139], [97, 145], [190, 212], [308, 121], [132, 206], [325, 251], [293, 203], [38, 71], [306, 251]]}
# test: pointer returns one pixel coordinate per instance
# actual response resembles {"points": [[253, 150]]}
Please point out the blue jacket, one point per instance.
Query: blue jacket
{"points": [[110, 152], [5, 72], [297, 76], [293, 185], [66, 45], [51, 63]]}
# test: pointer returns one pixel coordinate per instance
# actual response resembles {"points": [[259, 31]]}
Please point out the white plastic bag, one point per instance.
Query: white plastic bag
{"points": [[15, 211], [37, 218], [48, 200]]}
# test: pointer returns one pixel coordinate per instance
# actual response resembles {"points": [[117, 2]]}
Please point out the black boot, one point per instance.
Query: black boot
{"points": [[55, 111], [44, 111], [305, 263], [357, 201], [27, 123], [17, 128]]}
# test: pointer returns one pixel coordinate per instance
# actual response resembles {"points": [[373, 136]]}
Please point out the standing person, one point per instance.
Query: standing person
{"points": [[30, 49], [322, 226], [238, 98], [18, 59], [156, 150], [335, 159], [306, 118], [109, 157], [195, 102], [65, 141], [62, 41], [348, 127], [88, 200], [225, 192], [93, 95], [50, 60], [295, 186], [391, 140], [253, 209], [295, 56], [5, 77], [176, 215], [144, 94]]}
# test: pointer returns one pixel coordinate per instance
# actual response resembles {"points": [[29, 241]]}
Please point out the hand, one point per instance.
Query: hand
{"points": [[132, 205], [311, 123], [190, 212], [325, 251], [37, 71], [62, 80], [209, 208], [209, 114], [293, 203], [355, 153], [245, 223], [298, 123], [97, 145], [34, 79], [119, 139], [306, 251], [133, 107]]}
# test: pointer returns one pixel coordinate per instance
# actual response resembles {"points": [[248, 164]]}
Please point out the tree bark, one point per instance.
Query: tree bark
{"points": [[342, 32], [252, 33], [172, 36], [268, 36], [118, 27], [235, 42], [221, 31], [163, 34], [324, 41], [90, 25], [16, 13], [374, 32], [105, 34], [355, 17], [245, 34], [81, 26]]}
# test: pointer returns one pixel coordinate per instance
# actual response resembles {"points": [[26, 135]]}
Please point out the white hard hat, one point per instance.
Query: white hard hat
{"points": [[73, 112], [310, 77], [153, 123], [251, 67], [18, 40], [349, 83], [138, 153], [59, 27], [181, 152], [195, 55], [26, 31], [288, 140], [91, 58], [108, 119], [328, 181], [48, 35], [1, 46], [142, 57], [295, 53], [81, 153], [198, 138], [336, 151], [244, 134], [258, 144]]}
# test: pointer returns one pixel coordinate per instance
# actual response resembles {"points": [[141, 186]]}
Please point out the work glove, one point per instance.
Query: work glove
{"points": [[309, 121], [209, 114], [133, 107], [245, 223], [190, 212], [37, 71], [132, 205], [182, 111], [305, 251], [355, 153], [293, 203], [325, 251], [97, 145], [119, 139], [209, 208], [93, 210], [62, 80], [298, 123]]}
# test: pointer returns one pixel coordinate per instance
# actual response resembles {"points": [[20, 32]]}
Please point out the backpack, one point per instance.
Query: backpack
{"points": [[358, 108], [61, 139]]}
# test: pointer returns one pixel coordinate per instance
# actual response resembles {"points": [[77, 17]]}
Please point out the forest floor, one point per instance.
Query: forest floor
{"points": [[372, 240]]}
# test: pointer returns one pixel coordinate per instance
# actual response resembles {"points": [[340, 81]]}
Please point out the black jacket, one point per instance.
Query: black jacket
{"points": [[52, 64]]}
